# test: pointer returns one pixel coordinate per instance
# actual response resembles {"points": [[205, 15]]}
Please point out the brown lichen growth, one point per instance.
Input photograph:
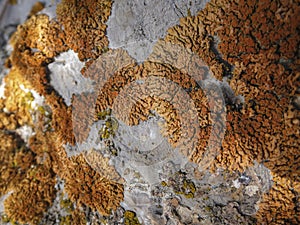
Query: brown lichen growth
{"points": [[77, 217], [260, 39], [84, 25], [85, 185], [101, 164], [258, 53], [278, 206], [35, 44], [85, 181], [46, 152], [39, 39], [142, 110], [15, 160], [32, 196], [163, 90], [37, 7], [102, 72], [266, 74], [192, 33], [15, 107], [25, 171]]}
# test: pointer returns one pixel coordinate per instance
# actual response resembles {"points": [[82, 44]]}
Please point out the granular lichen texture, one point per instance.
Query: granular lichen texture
{"points": [[29, 172], [192, 122], [84, 26]]}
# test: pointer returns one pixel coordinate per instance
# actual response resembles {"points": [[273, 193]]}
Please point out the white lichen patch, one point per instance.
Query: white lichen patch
{"points": [[25, 132], [66, 77], [236, 183], [50, 9], [251, 190], [136, 25], [2, 90]]}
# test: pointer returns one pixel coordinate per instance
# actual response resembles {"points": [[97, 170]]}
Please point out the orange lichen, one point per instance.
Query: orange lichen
{"points": [[15, 160], [32, 196], [85, 185], [259, 39], [163, 98], [257, 53], [84, 25], [278, 206], [35, 44]]}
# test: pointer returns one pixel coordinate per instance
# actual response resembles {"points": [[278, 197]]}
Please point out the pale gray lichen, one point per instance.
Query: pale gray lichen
{"points": [[5, 48], [136, 25], [66, 77], [2, 89], [50, 9], [25, 132], [14, 14], [93, 141]]}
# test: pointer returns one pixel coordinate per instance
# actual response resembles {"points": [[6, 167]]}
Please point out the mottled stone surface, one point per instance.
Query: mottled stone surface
{"points": [[136, 25]]}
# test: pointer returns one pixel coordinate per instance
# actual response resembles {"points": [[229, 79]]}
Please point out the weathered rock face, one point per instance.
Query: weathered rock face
{"points": [[152, 112], [136, 25]]}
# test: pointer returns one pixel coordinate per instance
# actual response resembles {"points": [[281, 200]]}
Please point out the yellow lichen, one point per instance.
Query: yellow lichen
{"points": [[130, 218]]}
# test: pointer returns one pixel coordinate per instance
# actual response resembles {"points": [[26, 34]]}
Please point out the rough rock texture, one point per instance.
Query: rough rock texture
{"points": [[135, 25], [237, 105]]}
